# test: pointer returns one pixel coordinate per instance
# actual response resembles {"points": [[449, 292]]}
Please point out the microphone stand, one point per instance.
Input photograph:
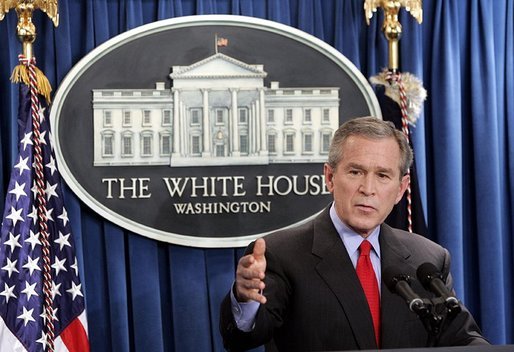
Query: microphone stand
{"points": [[440, 313], [431, 321]]}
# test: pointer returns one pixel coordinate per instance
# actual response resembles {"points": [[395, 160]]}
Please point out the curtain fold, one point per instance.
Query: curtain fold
{"points": [[508, 122], [145, 292], [144, 295], [486, 154], [118, 288], [218, 262], [191, 313], [443, 74]]}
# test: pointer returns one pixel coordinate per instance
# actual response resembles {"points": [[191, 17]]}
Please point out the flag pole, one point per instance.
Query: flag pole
{"points": [[37, 253], [26, 72], [395, 82]]}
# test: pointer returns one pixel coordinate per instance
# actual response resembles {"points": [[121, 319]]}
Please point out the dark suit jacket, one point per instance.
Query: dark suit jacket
{"points": [[315, 301]]}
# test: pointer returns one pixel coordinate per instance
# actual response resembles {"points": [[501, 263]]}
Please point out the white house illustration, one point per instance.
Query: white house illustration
{"points": [[218, 112]]}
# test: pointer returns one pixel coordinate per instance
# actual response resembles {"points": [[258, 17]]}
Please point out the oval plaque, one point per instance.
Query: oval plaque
{"points": [[205, 131]]}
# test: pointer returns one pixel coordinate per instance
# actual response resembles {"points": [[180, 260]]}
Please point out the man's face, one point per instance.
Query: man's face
{"points": [[366, 183]]}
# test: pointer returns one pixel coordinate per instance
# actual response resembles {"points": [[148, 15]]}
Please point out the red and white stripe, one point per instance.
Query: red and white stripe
{"points": [[396, 78], [73, 339], [40, 200]]}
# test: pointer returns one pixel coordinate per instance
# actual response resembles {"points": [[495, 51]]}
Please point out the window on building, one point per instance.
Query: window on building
{"points": [[108, 145], [272, 143], [243, 143], [307, 117], [219, 116], [165, 144], [127, 118], [126, 145], [325, 142], [271, 115], [146, 144], [195, 116], [195, 145], [289, 142], [166, 118], [326, 115], [243, 116], [289, 116], [107, 118], [147, 117], [307, 143], [220, 150]]}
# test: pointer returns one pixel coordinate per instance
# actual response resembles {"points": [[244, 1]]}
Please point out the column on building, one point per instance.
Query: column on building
{"points": [[257, 127], [235, 123], [206, 130], [176, 124], [184, 150], [252, 128], [262, 120]]}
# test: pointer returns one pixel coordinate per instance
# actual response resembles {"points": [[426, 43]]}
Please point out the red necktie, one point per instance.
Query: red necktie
{"points": [[370, 286]]}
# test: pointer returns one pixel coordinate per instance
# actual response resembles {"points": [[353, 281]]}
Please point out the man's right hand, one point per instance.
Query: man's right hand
{"points": [[250, 272]]}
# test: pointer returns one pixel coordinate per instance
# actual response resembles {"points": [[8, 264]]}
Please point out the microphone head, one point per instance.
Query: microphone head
{"points": [[427, 272], [392, 275]]}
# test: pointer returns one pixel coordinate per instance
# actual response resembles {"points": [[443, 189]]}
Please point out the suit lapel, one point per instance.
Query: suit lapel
{"points": [[393, 253], [336, 269]]}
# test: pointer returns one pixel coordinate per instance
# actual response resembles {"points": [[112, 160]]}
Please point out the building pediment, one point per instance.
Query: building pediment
{"points": [[218, 66]]}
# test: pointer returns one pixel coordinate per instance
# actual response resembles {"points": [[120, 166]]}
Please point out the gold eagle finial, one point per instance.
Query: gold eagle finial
{"points": [[48, 6], [26, 31], [392, 28], [25, 27], [391, 7]]}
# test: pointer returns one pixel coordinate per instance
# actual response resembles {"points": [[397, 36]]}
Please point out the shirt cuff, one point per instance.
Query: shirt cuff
{"points": [[244, 313]]}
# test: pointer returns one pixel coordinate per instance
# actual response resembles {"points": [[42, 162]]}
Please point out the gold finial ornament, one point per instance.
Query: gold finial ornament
{"points": [[26, 31], [25, 28], [392, 28]]}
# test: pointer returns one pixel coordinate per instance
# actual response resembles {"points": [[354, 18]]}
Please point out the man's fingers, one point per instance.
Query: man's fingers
{"points": [[254, 284], [250, 274], [259, 248], [244, 294], [257, 296], [247, 260]]}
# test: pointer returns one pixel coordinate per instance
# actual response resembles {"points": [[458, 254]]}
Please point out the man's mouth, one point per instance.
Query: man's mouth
{"points": [[366, 207]]}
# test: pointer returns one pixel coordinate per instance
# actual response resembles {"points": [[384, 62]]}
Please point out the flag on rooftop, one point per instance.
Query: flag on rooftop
{"points": [[222, 41]]}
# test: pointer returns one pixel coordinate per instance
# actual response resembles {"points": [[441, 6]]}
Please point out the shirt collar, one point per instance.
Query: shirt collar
{"points": [[351, 239]]}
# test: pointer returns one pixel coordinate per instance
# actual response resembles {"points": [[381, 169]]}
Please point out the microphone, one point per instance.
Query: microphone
{"points": [[432, 280], [399, 283]]}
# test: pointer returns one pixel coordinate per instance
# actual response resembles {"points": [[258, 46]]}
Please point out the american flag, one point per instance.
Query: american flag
{"points": [[222, 41], [25, 324]]}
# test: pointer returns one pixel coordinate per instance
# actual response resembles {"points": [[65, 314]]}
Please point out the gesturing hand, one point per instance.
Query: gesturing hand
{"points": [[250, 272]]}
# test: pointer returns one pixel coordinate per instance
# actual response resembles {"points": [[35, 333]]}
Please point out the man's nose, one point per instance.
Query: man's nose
{"points": [[367, 186]]}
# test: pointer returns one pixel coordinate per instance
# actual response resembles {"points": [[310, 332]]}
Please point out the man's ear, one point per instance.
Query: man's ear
{"points": [[404, 183], [329, 177]]}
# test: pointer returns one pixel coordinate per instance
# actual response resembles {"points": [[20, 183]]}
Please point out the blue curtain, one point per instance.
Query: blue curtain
{"points": [[144, 295]]}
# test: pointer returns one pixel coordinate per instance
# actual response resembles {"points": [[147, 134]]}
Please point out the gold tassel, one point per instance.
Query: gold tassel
{"points": [[20, 74]]}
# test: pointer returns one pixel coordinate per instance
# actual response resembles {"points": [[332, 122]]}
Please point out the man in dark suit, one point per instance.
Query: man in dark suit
{"points": [[300, 290]]}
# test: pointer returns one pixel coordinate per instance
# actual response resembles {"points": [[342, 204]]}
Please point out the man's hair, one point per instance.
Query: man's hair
{"points": [[372, 128]]}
